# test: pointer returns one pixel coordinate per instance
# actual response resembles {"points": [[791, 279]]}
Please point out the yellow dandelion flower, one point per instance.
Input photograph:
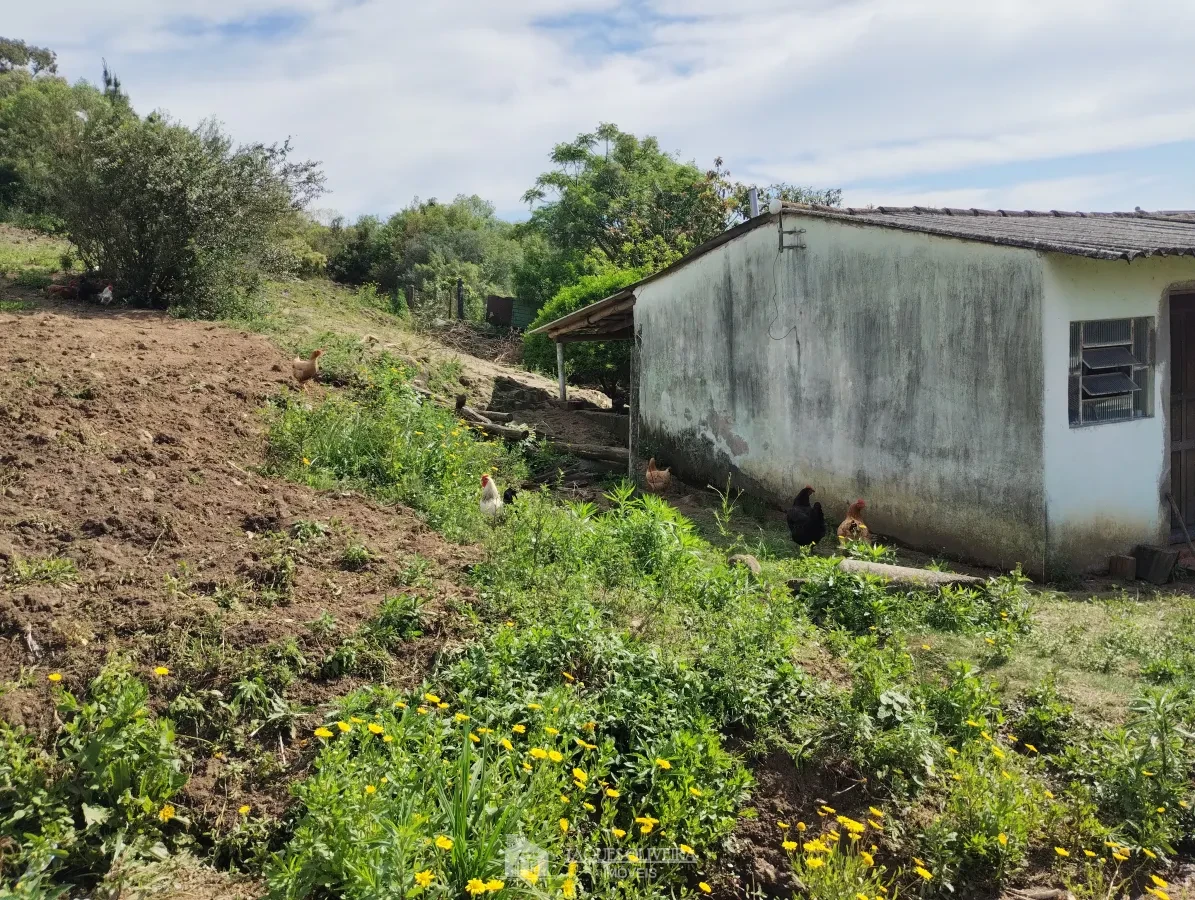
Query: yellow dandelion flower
{"points": [[801, 826], [431, 698], [386, 738], [1147, 774], [474, 738], [475, 886], [375, 728], [555, 756], [1119, 857], [1149, 853], [580, 775], [705, 888], [685, 848], [867, 858], [322, 732], [1030, 748], [924, 873], [548, 729], [568, 677], [494, 885], [998, 753], [663, 764], [1049, 795], [950, 751], [527, 767], [1089, 854], [444, 842], [461, 717], [1003, 839], [506, 744], [564, 799], [424, 878], [612, 793], [539, 753], [161, 671], [790, 846], [531, 876], [876, 825], [534, 706], [244, 810], [564, 825], [589, 807], [370, 789], [441, 706], [1062, 851], [618, 832], [398, 704], [55, 677], [829, 810], [166, 813], [875, 812], [1158, 882], [344, 726], [356, 720], [814, 862]]}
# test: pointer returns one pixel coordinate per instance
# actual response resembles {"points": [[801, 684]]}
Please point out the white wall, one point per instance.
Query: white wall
{"points": [[1105, 484], [900, 367]]}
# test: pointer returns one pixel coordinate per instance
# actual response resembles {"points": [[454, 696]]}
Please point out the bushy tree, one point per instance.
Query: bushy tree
{"points": [[604, 363], [177, 217]]}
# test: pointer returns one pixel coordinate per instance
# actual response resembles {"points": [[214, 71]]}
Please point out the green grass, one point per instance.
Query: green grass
{"points": [[52, 570], [26, 251]]}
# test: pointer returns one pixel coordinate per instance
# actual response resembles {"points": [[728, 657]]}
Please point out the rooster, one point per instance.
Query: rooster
{"points": [[657, 480], [853, 528], [806, 523], [491, 500], [306, 369], [106, 296]]}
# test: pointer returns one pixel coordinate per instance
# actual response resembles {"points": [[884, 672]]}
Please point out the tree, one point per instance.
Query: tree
{"points": [[625, 198], [787, 192], [177, 217], [604, 363], [16, 54]]}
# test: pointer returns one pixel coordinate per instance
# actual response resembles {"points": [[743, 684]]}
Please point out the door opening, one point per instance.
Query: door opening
{"points": [[1182, 413]]}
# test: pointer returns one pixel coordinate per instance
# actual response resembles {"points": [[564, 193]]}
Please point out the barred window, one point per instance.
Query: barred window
{"points": [[1111, 370]]}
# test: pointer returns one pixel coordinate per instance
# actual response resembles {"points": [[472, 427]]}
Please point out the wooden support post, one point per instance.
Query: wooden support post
{"points": [[560, 372], [633, 410], [460, 298]]}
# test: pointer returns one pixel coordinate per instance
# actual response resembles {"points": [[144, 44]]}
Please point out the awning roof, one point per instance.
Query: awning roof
{"points": [[611, 319]]}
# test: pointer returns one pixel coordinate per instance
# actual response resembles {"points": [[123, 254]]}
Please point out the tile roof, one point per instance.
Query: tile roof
{"points": [[1115, 235]]}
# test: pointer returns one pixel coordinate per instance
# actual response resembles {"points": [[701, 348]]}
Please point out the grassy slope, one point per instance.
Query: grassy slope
{"points": [[1101, 650]]}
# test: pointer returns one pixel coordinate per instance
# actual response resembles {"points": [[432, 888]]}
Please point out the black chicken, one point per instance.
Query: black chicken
{"points": [[510, 493], [806, 523]]}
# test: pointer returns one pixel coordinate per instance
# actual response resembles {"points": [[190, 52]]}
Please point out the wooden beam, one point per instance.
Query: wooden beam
{"points": [[593, 451], [633, 411], [560, 372], [575, 337]]}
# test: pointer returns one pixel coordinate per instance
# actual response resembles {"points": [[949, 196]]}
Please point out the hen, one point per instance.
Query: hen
{"points": [[491, 500], [853, 528], [508, 495], [806, 522], [656, 479], [306, 369]]}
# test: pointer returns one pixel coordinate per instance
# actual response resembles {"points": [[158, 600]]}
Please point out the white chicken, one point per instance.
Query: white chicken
{"points": [[106, 296], [491, 499]]}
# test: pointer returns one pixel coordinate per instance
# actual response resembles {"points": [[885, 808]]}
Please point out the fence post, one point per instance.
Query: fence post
{"points": [[460, 298], [560, 372]]}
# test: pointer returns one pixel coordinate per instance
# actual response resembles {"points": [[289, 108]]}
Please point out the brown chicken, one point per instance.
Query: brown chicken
{"points": [[306, 369], [657, 480], [853, 528]]}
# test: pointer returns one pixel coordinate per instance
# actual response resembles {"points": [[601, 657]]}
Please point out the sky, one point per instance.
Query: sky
{"points": [[1015, 104]]}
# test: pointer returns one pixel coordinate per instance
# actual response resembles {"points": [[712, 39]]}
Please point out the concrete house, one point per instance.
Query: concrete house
{"points": [[1008, 387]]}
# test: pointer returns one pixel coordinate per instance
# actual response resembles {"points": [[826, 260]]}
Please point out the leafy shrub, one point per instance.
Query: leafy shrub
{"points": [[175, 216], [1047, 719], [51, 570], [293, 257], [106, 789], [604, 363], [383, 438]]}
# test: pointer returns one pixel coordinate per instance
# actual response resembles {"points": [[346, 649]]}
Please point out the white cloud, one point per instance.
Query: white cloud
{"points": [[401, 99]]}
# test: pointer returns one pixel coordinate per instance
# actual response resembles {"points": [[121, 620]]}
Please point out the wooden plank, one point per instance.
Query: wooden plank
{"points": [[906, 575], [593, 451]]}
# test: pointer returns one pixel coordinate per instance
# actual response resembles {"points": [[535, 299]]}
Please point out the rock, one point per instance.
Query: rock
{"points": [[147, 494], [747, 561]]}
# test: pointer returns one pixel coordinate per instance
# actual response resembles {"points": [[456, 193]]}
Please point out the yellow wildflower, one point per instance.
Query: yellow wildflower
{"points": [[564, 825], [534, 706], [1089, 854], [998, 753], [375, 728], [876, 825], [244, 810], [475, 886], [322, 732], [55, 677], [386, 738], [526, 766], [1049, 795], [506, 744], [875, 812], [431, 698], [344, 726], [161, 671], [1030, 748], [370, 789], [519, 729], [441, 706], [568, 677], [580, 775], [829, 810], [867, 857], [589, 807], [924, 873], [1147, 774], [356, 720], [663, 764], [461, 717], [618, 832], [1158, 882], [646, 824], [789, 846], [1149, 853], [705, 888], [1003, 839], [612, 793], [398, 704], [539, 753], [531, 876], [1061, 851], [815, 846], [444, 842], [685, 848], [424, 878], [166, 813], [800, 826], [815, 862], [555, 756], [474, 738], [494, 885]]}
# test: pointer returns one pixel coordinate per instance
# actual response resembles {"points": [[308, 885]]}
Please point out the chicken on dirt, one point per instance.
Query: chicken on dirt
{"points": [[306, 369], [656, 480], [853, 528], [806, 521]]}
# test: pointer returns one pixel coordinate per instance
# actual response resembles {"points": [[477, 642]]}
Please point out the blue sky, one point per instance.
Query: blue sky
{"points": [[1063, 104]]}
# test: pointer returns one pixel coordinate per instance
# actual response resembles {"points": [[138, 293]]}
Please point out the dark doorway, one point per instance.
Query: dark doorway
{"points": [[1182, 412]]}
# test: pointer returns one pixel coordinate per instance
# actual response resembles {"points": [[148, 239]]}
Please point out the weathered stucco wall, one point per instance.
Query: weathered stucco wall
{"points": [[903, 368], [1105, 484]]}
